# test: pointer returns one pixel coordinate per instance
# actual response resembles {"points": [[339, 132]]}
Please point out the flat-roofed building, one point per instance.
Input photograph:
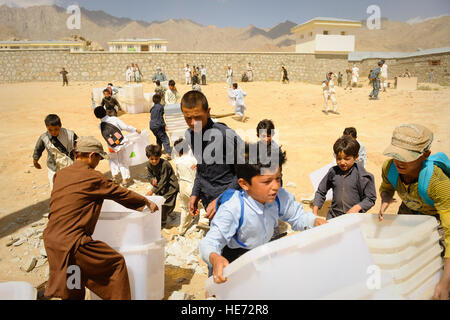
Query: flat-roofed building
{"points": [[138, 45], [323, 35], [74, 46]]}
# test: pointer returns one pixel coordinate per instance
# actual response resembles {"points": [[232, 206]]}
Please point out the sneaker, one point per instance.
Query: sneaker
{"points": [[325, 111], [335, 112]]}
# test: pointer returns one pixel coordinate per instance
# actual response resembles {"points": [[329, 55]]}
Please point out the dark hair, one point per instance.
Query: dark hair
{"points": [[110, 84], [267, 125], [153, 150], [156, 98], [100, 112], [346, 144], [52, 120], [235, 85], [171, 83], [192, 98], [350, 131], [253, 166], [106, 90], [181, 146], [157, 82]]}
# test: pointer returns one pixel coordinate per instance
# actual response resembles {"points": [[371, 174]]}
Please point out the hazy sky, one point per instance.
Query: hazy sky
{"points": [[261, 13]]}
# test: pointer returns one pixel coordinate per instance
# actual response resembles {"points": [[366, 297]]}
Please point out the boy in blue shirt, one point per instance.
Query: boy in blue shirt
{"points": [[259, 205]]}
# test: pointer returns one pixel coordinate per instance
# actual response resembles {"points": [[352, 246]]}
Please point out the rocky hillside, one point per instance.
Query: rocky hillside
{"points": [[49, 22]]}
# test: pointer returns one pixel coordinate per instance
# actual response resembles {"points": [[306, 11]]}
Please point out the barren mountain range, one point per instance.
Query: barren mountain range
{"points": [[49, 22]]}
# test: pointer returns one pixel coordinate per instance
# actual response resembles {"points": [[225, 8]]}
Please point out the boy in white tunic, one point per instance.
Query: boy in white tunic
{"points": [[239, 106], [187, 74], [329, 93], [118, 162]]}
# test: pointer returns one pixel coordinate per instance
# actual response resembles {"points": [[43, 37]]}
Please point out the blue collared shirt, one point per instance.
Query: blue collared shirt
{"points": [[257, 227]]}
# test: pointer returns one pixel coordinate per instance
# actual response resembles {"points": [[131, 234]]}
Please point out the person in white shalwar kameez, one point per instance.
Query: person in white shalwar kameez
{"points": [[384, 75], [187, 74], [239, 106], [355, 75], [329, 92]]}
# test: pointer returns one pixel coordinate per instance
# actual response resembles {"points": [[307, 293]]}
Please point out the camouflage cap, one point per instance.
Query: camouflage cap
{"points": [[409, 142], [90, 144]]}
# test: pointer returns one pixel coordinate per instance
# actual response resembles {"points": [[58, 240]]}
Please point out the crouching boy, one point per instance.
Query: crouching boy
{"points": [[75, 204], [422, 183], [258, 206]]}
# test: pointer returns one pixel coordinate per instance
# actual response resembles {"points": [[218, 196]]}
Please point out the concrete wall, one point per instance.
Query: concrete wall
{"points": [[44, 65]]}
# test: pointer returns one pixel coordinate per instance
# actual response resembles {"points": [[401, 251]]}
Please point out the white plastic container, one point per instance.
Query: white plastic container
{"points": [[136, 149], [175, 122], [97, 95], [149, 98], [145, 265], [406, 248], [317, 176], [17, 290], [331, 261], [123, 228]]}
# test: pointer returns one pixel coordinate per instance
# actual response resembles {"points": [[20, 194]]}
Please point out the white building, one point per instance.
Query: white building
{"points": [[138, 45], [75, 46], [326, 36]]}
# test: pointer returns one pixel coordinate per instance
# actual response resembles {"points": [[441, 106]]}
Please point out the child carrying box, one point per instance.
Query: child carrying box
{"points": [[111, 128], [186, 167]]}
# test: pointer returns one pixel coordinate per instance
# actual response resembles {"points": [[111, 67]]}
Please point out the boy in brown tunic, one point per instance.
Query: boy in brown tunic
{"points": [[75, 204]]}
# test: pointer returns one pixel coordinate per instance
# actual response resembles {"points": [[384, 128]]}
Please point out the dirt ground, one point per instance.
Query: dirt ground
{"points": [[304, 131]]}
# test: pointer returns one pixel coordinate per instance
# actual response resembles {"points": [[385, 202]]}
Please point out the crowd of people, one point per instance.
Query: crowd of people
{"points": [[218, 194]]}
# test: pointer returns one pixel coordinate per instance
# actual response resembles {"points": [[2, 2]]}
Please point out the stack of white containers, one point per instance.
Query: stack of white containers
{"points": [[137, 236], [327, 262], [351, 257], [17, 290], [406, 248], [97, 96], [136, 149], [175, 122], [131, 99]]}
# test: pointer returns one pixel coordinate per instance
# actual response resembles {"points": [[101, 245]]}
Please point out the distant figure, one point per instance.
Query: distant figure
{"points": [[407, 74], [128, 74], [133, 70], [229, 76], [161, 91], [375, 79], [137, 73], [349, 79], [329, 92], [431, 76], [249, 72], [284, 74], [340, 79], [195, 79], [187, 74], [64, 74], [203, 72], [355, 75], [384, 75], [159, 75], [239, 106]]}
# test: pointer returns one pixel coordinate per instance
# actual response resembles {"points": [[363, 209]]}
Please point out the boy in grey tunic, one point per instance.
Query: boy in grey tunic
{"points": [[353, 187]]}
